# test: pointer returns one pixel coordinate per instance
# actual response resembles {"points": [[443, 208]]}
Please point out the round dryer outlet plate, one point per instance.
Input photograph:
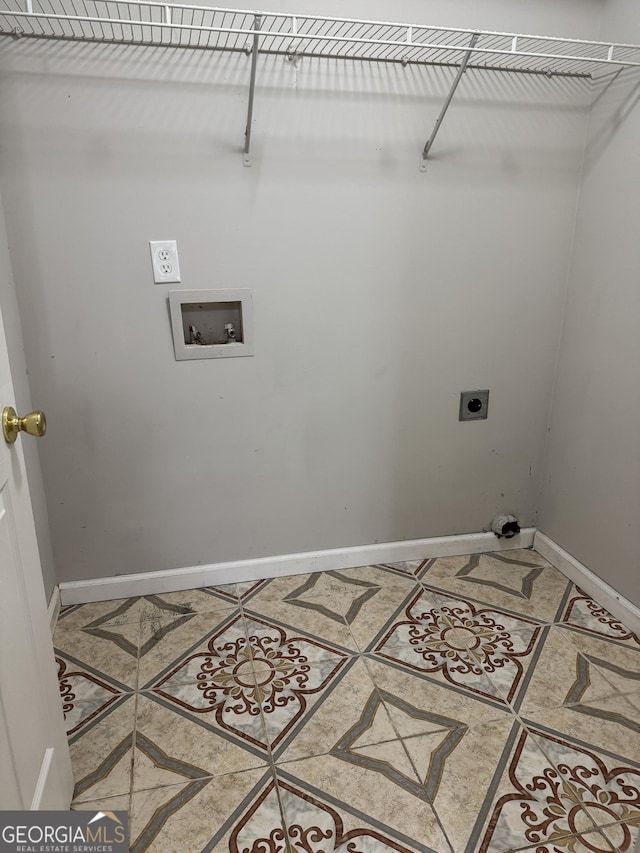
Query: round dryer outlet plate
{"points": [[474, 406]]}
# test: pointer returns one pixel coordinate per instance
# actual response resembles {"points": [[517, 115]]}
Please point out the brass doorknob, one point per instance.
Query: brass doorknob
{"points": [[34, 423]]}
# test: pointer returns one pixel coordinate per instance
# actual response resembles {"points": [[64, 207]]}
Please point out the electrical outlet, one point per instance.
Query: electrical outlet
{"points": [[474, 405], [164, 257]]}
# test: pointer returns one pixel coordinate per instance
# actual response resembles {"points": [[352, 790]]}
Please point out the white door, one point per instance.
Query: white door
{"points": [[35, 769]]}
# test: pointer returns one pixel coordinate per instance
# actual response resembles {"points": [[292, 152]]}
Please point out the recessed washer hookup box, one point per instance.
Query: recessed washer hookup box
{"points": [[211, 323]]}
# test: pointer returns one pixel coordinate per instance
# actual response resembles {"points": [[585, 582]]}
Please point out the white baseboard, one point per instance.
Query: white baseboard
{"points": [[194, 577], [594, 586], [54, 608]]}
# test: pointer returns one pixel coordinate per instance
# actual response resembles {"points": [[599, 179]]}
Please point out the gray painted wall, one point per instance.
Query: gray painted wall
{"points": [[13, 332], [379, 293], [590, 500]]}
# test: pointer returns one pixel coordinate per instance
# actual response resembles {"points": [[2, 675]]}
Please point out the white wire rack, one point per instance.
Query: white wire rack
{"points": [[178, 25]]}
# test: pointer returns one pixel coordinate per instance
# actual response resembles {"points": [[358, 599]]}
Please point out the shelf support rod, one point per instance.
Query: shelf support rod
{"points": [[246, 156], [445, 106]]}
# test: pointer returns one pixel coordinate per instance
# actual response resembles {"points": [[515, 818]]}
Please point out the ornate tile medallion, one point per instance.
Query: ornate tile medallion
{"points": [[563, 798], [239, 677], [476, 648]]}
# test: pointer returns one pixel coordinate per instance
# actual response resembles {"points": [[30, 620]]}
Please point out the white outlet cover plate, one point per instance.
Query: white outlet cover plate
{"points": [[164, 259]]}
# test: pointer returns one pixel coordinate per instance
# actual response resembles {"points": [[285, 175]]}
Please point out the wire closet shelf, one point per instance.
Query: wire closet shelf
{"points": [[179, 25]]}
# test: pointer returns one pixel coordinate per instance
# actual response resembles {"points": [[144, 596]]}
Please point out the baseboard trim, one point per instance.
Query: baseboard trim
{"points": [[194, 577], [592, 584], [54, 608]]}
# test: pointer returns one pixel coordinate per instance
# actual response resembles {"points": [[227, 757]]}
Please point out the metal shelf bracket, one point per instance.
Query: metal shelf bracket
{"points": [[246, 154], [447, 103]]}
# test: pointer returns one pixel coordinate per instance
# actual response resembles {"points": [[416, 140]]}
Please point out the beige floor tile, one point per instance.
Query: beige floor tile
{"points": [[108, 804], [111, 651], [520, 581], [408, 696], [172, 746], [619, 663], [521, 649], [86, 695], [237, 715], [234, 592], [610, 723], [576, 668], [214, 684], [312, 819], [588, 842], [450, 738], [322, 622], [292, 672], [102, 756], [325, 602], [171, 604], [623, 836], [380, 576], [446, 768], [277, 588], [530, 804], [253, 679], [378, 612], [583, 612], [384, 797], [414, 568], [102, 613], [218, 644], [339, 586], [168, 640], [555, 675], [187, 818], [634, 699], [481, 650], [605, 788], [341, 708], [263, 726]]}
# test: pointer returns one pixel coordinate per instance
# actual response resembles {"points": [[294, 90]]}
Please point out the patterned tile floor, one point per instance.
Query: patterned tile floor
{"points": [[454, 705]]}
